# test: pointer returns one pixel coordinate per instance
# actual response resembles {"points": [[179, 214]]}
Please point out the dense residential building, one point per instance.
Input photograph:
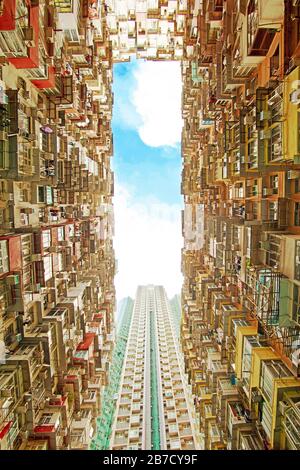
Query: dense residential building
{"points": [[102, 437], [147, 29], [62, 383], [56, 223], [154, 407], [240, 328]]}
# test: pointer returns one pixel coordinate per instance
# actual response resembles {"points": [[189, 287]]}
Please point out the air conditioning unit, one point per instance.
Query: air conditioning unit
{"points": [[295, 97], [235, 247], [53, 249], [282, 408], [13, 279], [264, 115], [7, 392], [36, 257], [249, 119], [36, 287], [43, 375], [297, 159], [26, 95], [18, 337], [239, 383], [293, 63], [63, 243], [265, 134], [50, 34], [22, 408], [70, 343], [264, 245], [24, 435], [267, 191], [293, 174], [28, 34]]}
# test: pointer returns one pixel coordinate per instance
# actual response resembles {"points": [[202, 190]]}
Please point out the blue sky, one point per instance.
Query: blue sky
{"points": [[147, 164], [150, 170]]}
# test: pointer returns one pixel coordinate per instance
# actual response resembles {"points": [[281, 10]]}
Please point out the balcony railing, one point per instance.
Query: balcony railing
{"points": [[258, 39]]}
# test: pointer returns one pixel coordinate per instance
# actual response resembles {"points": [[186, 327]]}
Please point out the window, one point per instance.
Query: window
{"points": [[60, 233], [273, 211], [296, 304], [266, 420], [41, 194], [274, 183], [64, 6], [48, 267], [4, 155], [4, 296], [4, 263], [27, 277], [271, 370], [297, 261], [249, 343], [46, 238], [297, 214], [45, 419], [72, 35]]}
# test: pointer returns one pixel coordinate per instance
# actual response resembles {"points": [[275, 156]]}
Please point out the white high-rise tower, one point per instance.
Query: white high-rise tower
{"points": [[154, 409]]}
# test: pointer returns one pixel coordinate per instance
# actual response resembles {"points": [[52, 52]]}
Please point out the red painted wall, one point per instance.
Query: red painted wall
{"points": [[15, 255], [7, 19]]}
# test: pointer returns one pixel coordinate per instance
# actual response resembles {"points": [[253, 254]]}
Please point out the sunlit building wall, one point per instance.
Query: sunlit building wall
{"points": [[240, 327], [154, 409], [56, 223]]}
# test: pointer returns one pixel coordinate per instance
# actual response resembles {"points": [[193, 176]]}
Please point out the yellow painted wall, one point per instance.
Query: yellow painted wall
{"points": [[241, 332], [258, 355], [284, 384], [291, 110]]}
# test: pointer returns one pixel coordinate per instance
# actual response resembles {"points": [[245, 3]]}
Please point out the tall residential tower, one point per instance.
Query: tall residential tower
{"points": [[154, 409]]}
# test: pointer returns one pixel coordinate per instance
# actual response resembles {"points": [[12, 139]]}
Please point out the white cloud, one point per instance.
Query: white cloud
{"points": [[147, 242], [125, 116], [149, 102], [157, 101]]}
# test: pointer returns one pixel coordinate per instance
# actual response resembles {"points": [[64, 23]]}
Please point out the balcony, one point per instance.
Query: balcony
{"points": [[47, 82], [291, 423], [64, 85], [250, 440], [30, 37], [263, 20]]}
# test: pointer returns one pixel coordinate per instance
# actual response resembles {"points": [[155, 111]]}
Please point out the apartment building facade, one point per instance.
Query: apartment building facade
{"points": [[154, 407], [240, 328], [56, 222], [147, 29], [240, 321], [102, 438]]}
